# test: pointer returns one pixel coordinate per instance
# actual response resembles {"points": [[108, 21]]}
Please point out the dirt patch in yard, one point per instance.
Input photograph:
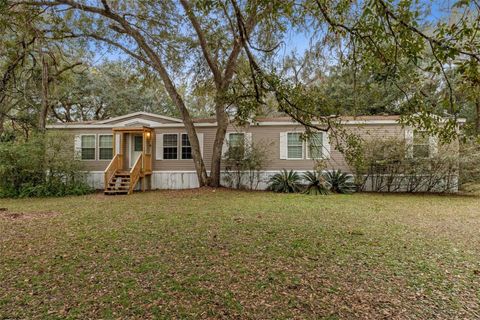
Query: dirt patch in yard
{"points": [[14, 215]]}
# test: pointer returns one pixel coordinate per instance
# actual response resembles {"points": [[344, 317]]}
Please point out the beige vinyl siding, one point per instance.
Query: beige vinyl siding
{"points": [[267, 135]]}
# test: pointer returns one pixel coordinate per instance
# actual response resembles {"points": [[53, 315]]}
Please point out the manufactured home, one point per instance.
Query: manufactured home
{"points": [[148, 151]]}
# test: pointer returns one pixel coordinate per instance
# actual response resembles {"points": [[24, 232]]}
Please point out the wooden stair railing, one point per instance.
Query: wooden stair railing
{"points": [[136, 173], [112, 168]]}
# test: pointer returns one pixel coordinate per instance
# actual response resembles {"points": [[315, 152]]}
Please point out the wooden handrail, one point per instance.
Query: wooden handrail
{"points": [[135, 172], [111, 169]]}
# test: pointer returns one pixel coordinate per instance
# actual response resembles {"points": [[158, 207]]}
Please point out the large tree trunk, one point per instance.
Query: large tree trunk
{"points": [[172, 91], [222, 124], [42, 119], [477, 116]]}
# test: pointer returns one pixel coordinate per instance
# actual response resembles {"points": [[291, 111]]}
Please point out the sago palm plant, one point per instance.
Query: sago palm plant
{"points": [[340, 182], [316, 183], [286, 182]]}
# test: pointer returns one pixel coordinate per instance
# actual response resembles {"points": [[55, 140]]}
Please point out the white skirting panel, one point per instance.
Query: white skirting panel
{"points": [[174, 180], [188, 180], [171, 179], [95, 179]]}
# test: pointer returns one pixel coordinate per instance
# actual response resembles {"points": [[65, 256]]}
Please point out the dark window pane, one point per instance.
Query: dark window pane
{"points": [[187, 153], [170, 146], [421, 151], [105, 153], [186, 147], [138, 142], [170, 153], [185, 140], [170, 140], [88, 153], [236, 139]]}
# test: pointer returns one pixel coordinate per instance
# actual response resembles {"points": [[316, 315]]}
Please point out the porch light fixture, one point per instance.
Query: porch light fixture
{"points": [[147, 134]]}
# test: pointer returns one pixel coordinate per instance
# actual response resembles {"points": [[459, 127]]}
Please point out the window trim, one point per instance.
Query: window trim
{"points": [[95, 147], [180, 151], [303, 146], [432, 143], [177, 146], [427, 144], [98, 144], [237, 133]]}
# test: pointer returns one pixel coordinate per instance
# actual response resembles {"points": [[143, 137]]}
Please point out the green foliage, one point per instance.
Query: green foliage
{"points": [[384, 166], [286, 182], [39, 167], [106, 90], [316, 183], [244, 163], [469, 164], [340, 182]]}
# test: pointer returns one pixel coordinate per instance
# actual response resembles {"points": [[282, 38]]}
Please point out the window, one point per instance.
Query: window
{"points": [[105, 147], [138, 143], [294, 145], [170, 146], [88, 147], [236, 143], [421, 145], [186, 147], [316, 145]]}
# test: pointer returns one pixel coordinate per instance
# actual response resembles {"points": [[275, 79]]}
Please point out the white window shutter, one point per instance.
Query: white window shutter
{"points": [[433, 145], [159, 146], [326, 145], [409, 142], [283, 145], [248, 139], [200, 142], [117, 143], [225, 144], [77, 155]]}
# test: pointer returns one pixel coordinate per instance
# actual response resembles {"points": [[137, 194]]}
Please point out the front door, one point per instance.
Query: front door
{"points": [[136, 148]]}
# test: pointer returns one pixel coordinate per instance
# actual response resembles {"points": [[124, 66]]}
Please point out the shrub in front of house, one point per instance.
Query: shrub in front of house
{"points": [[316, 183], [385, 165], [286, 182], [312, 182], [244, 162], [340, 182], [41, 166]]}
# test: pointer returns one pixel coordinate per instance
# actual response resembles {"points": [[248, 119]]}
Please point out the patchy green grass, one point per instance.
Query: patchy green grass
{"points": [[229, 254]]}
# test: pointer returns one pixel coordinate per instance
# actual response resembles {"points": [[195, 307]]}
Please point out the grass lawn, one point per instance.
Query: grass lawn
{"points": [[231, 254]]}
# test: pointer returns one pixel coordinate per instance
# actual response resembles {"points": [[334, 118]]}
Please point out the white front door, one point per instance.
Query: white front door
{"points": [[136, 148]]}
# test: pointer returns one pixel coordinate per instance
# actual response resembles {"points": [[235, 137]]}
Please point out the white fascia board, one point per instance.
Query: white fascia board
{"points": [[140, 113], [289, 123], [118, 125]]}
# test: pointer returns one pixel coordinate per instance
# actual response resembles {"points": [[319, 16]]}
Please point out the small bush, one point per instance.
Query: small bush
{"points": [[244, 164], [340, 182], [382, 165], [286, 182], [316, 183]]}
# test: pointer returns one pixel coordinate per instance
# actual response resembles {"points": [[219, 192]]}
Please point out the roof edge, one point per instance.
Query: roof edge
{"points": [[139, 113]]}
